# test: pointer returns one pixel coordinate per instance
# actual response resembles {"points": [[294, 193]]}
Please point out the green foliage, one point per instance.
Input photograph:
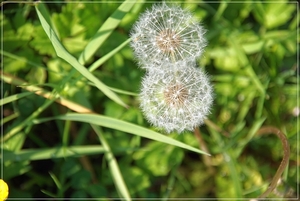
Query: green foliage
{"points": [[79, 53]]}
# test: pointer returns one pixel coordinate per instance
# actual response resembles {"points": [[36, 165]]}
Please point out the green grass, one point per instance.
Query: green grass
{"points": [[72, 127]]}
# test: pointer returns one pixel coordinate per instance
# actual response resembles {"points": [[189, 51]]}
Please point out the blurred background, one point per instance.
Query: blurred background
{"points": [[251, 58]]}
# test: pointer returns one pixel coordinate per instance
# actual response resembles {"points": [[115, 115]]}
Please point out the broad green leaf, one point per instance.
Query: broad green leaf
{"points": [[277, 14], [259, 12], [253, 47], [105, 30], [64, 54], [41, 43], [21, 59], [273, 14], [122, 126], [160, 159]]}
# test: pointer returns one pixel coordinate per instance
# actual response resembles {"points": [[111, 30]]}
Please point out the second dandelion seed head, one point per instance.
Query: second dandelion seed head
{"points": [[177, 98]]}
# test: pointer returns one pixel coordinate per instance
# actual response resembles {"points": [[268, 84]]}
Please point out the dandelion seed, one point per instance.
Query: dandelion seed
{"points": [[177, 98], [167, 33]]}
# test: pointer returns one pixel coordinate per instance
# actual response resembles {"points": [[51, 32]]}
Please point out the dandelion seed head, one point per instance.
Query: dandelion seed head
{"points": [[177, 98], [167, 33]]}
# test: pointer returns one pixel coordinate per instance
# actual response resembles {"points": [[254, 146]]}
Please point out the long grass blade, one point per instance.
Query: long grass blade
{"points": [[113, 166], [64, 54], [124, 126]]}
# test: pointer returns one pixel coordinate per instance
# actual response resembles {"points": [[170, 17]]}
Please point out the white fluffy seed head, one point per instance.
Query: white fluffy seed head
{"points": [[177, 98], [167, 34]]}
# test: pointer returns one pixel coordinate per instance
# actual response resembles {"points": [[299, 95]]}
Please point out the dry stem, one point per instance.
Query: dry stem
{"points": [[285, 160]]}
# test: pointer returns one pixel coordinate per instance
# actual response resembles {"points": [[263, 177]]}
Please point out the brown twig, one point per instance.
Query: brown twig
{"points": [[261, 131], [44, 93], [285, 160]]}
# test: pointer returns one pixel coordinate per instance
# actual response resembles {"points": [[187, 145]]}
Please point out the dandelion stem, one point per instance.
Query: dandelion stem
{"points": [[202, 146]]}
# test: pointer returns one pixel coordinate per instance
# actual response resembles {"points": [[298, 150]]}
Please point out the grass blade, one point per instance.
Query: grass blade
{"points": [[13, 98], [51, 153], [124, 126], [113, 166], [123, 92], [16, 129], [64, 54], [105, 30], [9, 118], [100, 61], [232, 164]]}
